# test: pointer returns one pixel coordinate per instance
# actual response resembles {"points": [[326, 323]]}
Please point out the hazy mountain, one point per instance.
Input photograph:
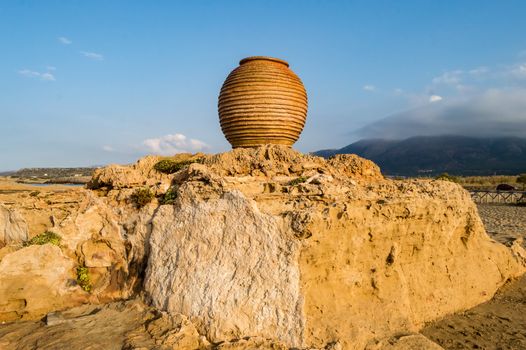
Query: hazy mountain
{"points": [[432, 155]]}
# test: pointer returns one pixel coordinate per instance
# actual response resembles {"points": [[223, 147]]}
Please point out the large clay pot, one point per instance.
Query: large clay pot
{"points": [[262, 101]]}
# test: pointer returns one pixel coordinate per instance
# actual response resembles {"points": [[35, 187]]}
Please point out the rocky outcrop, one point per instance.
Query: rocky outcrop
{"points": [[263, 247], [310, 253], [35, 280]]}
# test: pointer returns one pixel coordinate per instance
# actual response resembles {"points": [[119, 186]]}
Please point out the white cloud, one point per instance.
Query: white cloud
{"points": [[494, 112], [64, 40], [38, 75], [173, 143], [369, 87], [92, 55], [435, 98], [108, 148]]}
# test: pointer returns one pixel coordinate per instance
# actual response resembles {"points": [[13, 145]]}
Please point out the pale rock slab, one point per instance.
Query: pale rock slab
{"points": [[13, 227], [230, 268]]}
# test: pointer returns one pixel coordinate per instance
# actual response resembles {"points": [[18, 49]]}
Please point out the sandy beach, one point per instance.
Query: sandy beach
{"points": [[501, 322]]}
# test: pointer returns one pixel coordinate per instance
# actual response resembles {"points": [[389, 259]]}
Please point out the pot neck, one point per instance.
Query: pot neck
{"points": [[263, 58]]}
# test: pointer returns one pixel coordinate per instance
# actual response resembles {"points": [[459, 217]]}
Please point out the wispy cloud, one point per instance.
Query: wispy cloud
{"points": [[495, 112], [479, 71], [369, 87], [173, 143], [47, 76], [64, 40], [449, 78], [108, 148], [92, 55]]}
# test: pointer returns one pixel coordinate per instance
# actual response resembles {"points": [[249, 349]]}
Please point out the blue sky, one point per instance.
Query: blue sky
{"points": [[94, 82]]}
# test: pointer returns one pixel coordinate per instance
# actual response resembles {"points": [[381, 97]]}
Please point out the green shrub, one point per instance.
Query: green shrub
{"points": [[297, 181], [170, 196], [83, 279], [447, 177], [170, 166], [141, 197], [44, 238]]}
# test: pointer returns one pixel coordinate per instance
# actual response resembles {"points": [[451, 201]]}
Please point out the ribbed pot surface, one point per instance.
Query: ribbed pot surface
{"points": [[262, 101]]}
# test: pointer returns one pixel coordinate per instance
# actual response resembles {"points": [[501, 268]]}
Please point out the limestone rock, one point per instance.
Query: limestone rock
{"points": [[92, 235], [83, 327], [236, 259], [13, 227], [35, 280], [340, 255], [259, 248], [141, 173]]}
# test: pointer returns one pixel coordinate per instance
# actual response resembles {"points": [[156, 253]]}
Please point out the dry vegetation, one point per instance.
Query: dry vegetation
{"points": [[488, 182]]}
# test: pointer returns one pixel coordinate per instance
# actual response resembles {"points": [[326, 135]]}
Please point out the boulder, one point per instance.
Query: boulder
{"points": [[257, 248], [36, 280], [305, 252]]}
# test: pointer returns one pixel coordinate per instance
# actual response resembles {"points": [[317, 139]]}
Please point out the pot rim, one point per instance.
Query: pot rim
{"points": [[263, 58]]}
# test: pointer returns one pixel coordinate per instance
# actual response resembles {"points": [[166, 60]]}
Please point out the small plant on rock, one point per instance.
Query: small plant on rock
{"points": [[44, 238], [170, 196], [297, 181], [170, 166], [141, 197], [83, 279]]}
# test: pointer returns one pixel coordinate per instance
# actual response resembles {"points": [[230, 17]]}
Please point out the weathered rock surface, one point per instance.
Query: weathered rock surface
{"points": [[35, 280], [13, 227], [263, 248], [236, 259], [374, 257], [84, 327]]}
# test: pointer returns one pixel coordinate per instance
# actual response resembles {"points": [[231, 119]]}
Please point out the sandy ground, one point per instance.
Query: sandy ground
{"points": [[501, 322], [504, 223]]}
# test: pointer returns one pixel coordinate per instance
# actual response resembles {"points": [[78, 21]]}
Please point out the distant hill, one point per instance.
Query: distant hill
{"points": [[432, 155], [52, 172]]}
